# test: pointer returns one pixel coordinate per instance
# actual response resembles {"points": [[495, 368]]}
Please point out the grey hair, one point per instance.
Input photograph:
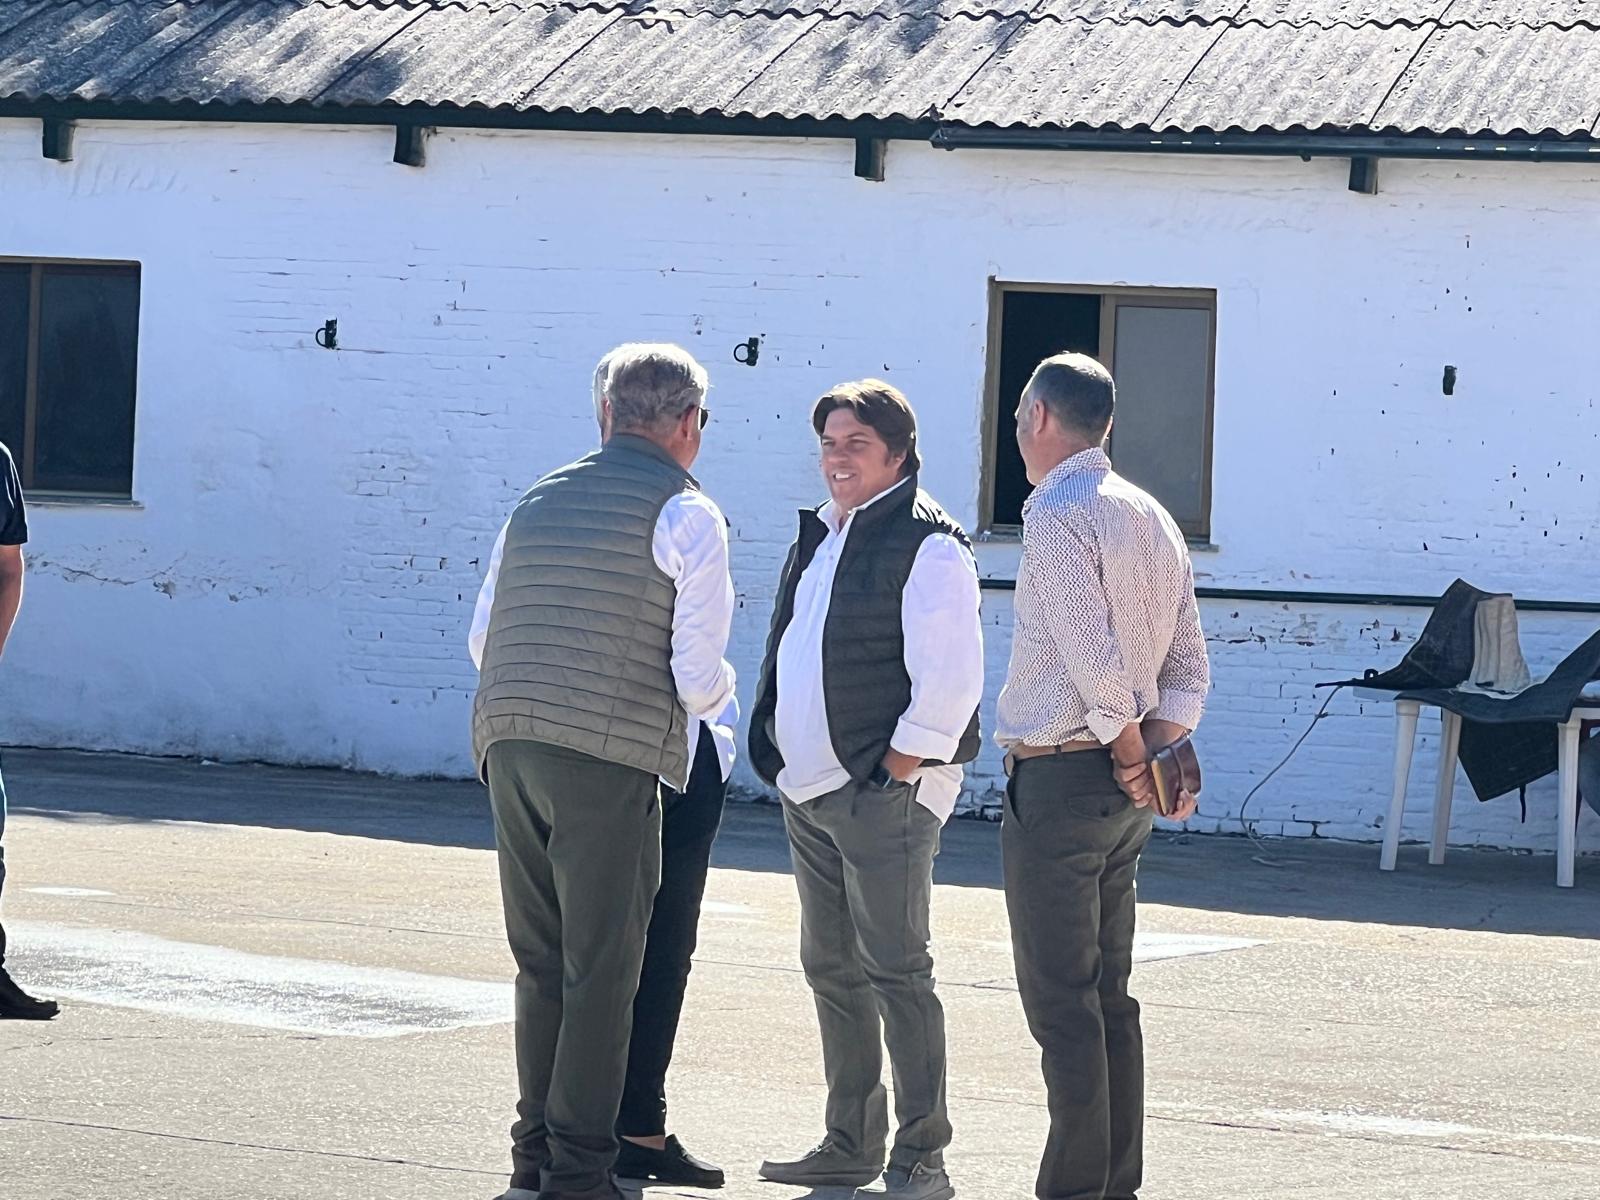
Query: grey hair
{"points": [[601, 370], [648, 384], [1078, 391]]}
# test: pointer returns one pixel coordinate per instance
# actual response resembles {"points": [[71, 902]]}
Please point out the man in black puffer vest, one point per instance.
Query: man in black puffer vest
{"points": [[867, 706]]}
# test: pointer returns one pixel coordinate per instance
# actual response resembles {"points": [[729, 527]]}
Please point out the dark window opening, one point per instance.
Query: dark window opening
{"points": [[1159, 347], [1033, 326], [68, 364]]}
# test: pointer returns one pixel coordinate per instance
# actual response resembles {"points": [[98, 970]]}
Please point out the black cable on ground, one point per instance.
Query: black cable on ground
{"points": [[1244, 808]]}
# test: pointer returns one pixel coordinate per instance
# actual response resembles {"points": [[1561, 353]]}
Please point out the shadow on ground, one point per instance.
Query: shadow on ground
{"points": [[1496, 891], [75, 786]]}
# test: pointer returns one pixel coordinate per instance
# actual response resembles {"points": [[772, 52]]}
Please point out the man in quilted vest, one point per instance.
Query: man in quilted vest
{"points": [[600, 635]]}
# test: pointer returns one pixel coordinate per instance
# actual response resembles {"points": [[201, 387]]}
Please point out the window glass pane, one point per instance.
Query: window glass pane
{"points": [[88, 334], [1033, 326], [13, 355], [1163, 358]]}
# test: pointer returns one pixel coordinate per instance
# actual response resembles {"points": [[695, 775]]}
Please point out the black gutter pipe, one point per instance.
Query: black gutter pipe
{"points": [[1297, 145], [946, 137], [1357, 599], [471, 117]]}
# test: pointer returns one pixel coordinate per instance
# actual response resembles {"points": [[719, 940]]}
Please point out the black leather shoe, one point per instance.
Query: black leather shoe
{"points": [[17, 1005], [672, 1165]]}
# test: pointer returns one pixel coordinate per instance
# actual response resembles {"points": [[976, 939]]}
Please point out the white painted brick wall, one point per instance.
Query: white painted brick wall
{"points": [[1266, 662], [297, 584]]}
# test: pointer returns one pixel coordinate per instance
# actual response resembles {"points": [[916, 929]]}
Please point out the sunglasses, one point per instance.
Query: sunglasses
{"points": [[705, 414]]}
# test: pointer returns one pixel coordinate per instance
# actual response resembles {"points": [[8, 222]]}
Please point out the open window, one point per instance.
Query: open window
{"points": [[1159, 344]]}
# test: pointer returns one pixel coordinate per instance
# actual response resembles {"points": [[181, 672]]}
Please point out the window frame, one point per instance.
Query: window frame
{"points": [[26, 453], [1110, 296]]}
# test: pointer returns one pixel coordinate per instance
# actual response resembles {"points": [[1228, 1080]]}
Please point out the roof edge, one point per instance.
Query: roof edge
{"points": [[1312, 143], [469, 117], [1318, 143]]}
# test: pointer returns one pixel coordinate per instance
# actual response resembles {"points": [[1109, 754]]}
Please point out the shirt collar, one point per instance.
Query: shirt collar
{"points": [[1092, 459], [829, 512]]}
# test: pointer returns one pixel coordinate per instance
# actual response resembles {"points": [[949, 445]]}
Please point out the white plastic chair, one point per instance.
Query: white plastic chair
{"points": [[1407, 713]]}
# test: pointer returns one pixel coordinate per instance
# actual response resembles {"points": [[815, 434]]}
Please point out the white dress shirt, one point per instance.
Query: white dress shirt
{"points": [[939, 612], [690, 545], [724, 735], [1106, 631]]}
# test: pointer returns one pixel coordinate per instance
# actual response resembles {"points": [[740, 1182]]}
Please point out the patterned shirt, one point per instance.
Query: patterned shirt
{"points": [[1106, 629]]}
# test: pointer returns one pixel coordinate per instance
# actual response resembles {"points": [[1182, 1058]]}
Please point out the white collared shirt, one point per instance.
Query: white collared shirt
{"points": [[690, 545], [724, 729], [943, 632]]}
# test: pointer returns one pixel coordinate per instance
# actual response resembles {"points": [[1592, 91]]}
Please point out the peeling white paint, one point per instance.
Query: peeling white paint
{"points": [[297, 585]]}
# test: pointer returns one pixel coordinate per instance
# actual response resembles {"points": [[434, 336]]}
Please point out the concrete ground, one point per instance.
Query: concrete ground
{"points": [[292, 985]]}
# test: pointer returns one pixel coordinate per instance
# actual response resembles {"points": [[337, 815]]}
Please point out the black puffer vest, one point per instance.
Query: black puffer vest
{"points": [[865, 684]]}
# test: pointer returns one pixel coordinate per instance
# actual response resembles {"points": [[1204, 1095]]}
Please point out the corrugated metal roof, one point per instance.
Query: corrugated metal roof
{"points": [[1533, 13], [264, 53], [474, 57], [89, 51], [1272, 76], [1100, 74], [1329, 13], [1515, 80], [698, 64], [235, 51], [1503, 67], [1123, 12], [877, 66], [1477, 13]]}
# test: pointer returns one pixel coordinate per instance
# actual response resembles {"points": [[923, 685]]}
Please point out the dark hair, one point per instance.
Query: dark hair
{"points": [[1078, 391], [880, 405]]}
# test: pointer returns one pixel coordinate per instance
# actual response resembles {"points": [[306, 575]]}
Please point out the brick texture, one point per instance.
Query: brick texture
{"points": [[297, 584]]}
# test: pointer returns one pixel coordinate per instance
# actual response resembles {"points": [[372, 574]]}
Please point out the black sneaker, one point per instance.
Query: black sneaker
{"points": [[17, 1005], [672, 1165]]}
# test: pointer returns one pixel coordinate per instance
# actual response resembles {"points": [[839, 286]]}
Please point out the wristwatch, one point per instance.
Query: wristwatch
{"points": [[881, 779]]}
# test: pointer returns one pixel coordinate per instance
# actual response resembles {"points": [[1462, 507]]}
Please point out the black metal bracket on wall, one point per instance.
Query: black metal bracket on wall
{"points": [[408, 145], [1364, 175], [870, 153], [56, 140], [1345, 599]]}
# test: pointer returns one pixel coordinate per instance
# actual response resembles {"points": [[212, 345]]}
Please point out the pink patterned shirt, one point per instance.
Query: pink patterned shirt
{"points": [[1106, 630]]}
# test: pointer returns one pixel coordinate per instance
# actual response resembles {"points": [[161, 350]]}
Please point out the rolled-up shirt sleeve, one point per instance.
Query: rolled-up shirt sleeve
{"points": [[943, 629], [1065, 572], [1185, 675], [691, 546]]}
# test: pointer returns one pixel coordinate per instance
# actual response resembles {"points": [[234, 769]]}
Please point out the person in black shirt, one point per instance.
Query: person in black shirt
{"points": [[15, 1004]]}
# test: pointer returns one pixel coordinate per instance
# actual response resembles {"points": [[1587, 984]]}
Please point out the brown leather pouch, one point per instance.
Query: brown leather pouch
{"points": [[1175, 769]]}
